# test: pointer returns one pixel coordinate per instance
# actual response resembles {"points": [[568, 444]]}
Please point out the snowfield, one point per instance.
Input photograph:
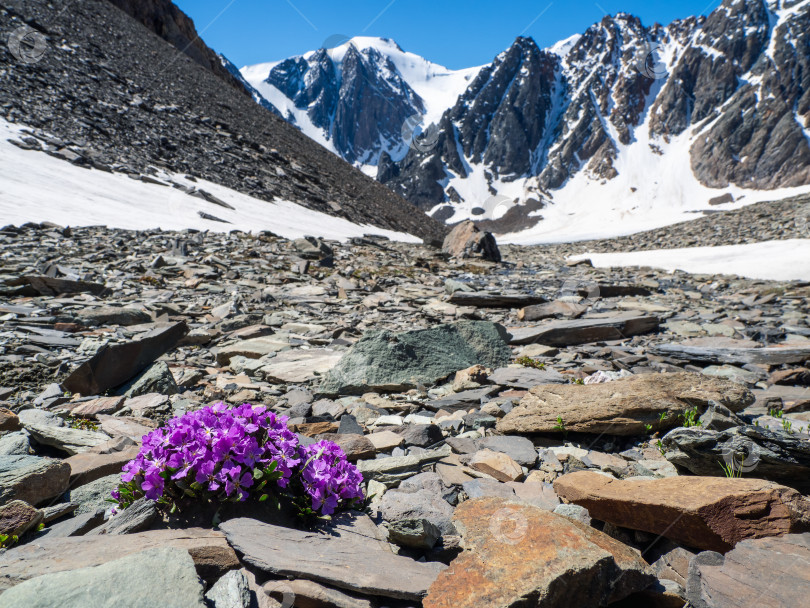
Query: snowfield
{"points": [[36, 187], [772, 260]]}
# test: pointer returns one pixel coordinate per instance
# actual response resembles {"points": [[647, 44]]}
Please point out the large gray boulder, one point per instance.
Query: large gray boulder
{"points": [[387, 361], [156, 577], [756, 451]]}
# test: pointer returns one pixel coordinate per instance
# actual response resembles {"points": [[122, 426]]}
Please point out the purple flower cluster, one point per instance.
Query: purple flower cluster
{"points": [[328, 478], [227, 453]]}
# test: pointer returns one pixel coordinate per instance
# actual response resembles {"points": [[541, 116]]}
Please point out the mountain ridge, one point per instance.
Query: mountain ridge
{"points": [[713, 92]]}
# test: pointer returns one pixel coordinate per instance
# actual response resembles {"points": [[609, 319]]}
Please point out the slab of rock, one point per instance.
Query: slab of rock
{"points": [[9, 421], [157, 378], [398, 505], [583, 331], [111, 315], [103, 405], [231, 591], [519, 555], [343, 562], [734, 355], [391, 470], [621, 407], [382, 360], [496, 464], [759, 573], [116, 364], [40, 285], [210, 551], [466, 240], [557, 308], [309, 594], [522, 450], [102, 460], [32, 479], [385, 440], [774, 455], [526, 377], [136, 517], [354, 446], [414, 533], [156, 577], [710, 513], [295, 366], [18, 517], [65, 439], [254, 348], [484, 299]]}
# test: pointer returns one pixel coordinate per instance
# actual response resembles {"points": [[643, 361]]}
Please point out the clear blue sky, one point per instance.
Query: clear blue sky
{"points": [[454, 33]]}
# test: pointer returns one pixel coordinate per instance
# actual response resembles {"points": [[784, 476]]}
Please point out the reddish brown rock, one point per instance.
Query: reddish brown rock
{"points": [[18, 517], [466, 240], [518, 555], [622, 407], [103, 405], [710, 513], [8, 420], [89, 466], [497, 464], [355, 446], [210, 551]]}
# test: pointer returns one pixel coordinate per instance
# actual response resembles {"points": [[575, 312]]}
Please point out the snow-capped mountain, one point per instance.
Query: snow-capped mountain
{"points": [[357, 98], [627, 122]]}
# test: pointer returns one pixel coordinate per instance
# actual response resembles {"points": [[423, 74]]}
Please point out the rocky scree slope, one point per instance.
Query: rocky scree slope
{"points": [[118, 97], [523, 478]]}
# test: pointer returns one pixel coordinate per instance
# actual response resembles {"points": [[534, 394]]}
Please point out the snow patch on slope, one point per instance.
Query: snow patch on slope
{"points": [[770, 260], [35, 187]]}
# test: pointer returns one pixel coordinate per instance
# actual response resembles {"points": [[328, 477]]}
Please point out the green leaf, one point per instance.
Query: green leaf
{"points": [[263, 497]]}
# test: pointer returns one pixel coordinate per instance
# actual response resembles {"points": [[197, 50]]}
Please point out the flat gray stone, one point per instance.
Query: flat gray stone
{"points": [[68, 440], [342, 561], [397, 505], [583, 331], [520, 449], [15, 444], [157, 577], [157, 378], [47, 555], [526, 377], [391, 471], [32, 479], [94, 495], [231, 591], [136, 517]]}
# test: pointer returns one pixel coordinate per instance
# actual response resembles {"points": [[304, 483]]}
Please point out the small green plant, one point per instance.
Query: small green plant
{"points": [[787, 425], [560, 426], [6, 541], [529, 362], [731, 471], [82, 424], [663, 416], [690, 418], [776, 412], [579, 381], [660, 445], [648, 427]]}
